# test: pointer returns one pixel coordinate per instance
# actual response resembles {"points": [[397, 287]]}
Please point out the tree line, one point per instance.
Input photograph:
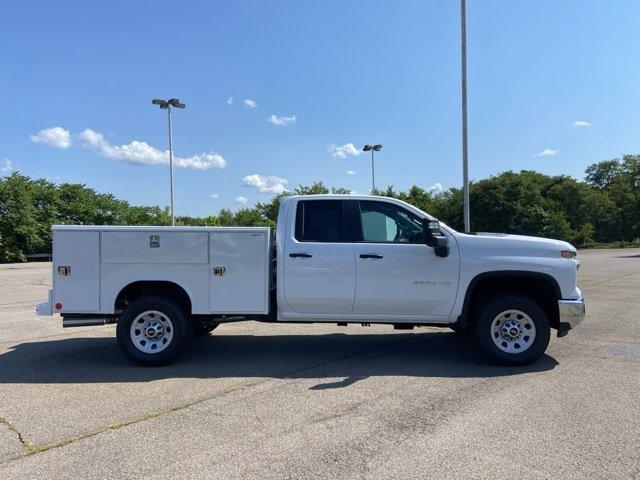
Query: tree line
{"points": [[605, 207]]}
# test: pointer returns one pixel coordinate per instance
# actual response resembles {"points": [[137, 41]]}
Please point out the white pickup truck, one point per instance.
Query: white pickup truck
{"points": [[334, 259]]}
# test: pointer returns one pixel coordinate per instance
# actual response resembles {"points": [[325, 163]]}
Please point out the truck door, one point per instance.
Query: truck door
{"points": [[396, 273], [320, 274]]}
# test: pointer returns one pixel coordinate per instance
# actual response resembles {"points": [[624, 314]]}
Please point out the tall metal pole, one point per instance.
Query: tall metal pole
{"points": [[173, 222], [465, 152], [373, 175]]}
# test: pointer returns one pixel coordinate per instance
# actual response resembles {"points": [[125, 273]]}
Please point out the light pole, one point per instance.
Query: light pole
{"points": [[372, 148], [465, 152], [166, 105]]}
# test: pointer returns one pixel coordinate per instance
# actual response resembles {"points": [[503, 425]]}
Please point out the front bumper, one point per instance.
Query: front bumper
{"points": [[571, 312]]}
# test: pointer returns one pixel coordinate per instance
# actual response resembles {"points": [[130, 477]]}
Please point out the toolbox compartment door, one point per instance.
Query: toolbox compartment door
{"points": [[239, 270], [149, 246], [78, 287]]}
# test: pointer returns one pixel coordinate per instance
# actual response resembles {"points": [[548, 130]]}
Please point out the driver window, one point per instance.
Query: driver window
{"points": [[387, 223]]}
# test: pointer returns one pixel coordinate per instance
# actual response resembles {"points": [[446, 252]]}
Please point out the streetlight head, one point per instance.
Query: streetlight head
{"points": [[367, 148], [175, 102], [377, 148], [157, 101]]}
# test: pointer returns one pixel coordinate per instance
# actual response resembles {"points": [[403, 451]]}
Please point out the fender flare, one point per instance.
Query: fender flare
{"points": [[129, 282], [506, 273]]}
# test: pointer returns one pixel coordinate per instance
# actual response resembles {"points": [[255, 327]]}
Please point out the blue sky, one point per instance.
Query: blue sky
{"points": [[331, 72]]}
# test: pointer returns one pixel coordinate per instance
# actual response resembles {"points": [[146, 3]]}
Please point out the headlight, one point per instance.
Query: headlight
{"points": [[568, 254]]}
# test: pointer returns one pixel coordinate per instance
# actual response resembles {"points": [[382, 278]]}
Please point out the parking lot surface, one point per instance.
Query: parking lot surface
{"points": [[319, 401]]}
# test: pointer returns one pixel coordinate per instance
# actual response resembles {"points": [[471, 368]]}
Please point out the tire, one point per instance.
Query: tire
{"points": [[511, 329], [203, 328], [163, 323]]}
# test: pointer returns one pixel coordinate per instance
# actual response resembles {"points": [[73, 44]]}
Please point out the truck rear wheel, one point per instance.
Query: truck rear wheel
{"points": [[511, 329], [153, 331]]}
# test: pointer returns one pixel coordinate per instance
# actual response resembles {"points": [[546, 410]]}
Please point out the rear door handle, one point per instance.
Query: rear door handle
{"points": [[300, 255], [371, 255]]}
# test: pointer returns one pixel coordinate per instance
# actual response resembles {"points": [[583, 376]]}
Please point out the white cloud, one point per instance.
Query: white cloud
{"points": [[547, 152], [241, 200], [137, 152], [249, 103], [581, 123], [214, 195], [142, 153], [350, 172], [266, 183], [344, 151], [7, 166], [435, 189], [230, 101], [201, 161], [281, 121], [56, 137]]}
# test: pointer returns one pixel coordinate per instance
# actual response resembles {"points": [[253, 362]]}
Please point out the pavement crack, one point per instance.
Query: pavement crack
{"points": [[31, 448], [13, 429]]}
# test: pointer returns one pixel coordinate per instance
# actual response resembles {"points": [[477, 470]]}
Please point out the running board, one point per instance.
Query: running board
{"points": [[83, 321]]}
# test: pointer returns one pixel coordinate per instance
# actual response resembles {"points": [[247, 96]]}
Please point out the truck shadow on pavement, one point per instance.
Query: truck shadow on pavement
{"points": [[321, 357]]}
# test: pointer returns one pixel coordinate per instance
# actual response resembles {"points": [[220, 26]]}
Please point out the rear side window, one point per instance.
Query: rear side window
{"points": [[321, 221]]}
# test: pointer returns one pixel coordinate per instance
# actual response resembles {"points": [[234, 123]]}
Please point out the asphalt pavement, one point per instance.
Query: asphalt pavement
{"points": [[320, 401]]}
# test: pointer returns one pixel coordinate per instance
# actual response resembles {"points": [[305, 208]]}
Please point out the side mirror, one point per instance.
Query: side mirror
{"points": [[434, 237]]}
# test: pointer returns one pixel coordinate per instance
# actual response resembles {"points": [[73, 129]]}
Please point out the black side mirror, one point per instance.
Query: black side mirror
{"points": [[434, 237]]}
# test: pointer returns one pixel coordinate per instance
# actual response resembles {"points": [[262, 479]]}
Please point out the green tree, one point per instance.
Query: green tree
{"points": [[619, 181], [19, 226], [604, 208], [602, 174]]}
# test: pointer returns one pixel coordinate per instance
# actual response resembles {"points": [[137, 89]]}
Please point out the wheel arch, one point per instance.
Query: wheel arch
{"points": [[538, 286], [139, 288]]}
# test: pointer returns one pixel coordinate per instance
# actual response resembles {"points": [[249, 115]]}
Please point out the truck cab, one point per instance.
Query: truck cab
{"points": [[361, 259], [332, 258]]}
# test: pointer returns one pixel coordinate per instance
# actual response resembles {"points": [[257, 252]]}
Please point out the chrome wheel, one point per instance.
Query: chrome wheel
{"points": [[151, 331], [513, 331]]}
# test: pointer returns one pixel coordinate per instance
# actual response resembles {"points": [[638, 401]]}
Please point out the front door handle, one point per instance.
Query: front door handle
{"points": [[300, 255], [371, 255]]}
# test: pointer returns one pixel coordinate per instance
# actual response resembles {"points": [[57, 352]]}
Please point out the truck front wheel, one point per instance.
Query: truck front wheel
{"points": [[511, 329], [153, 331]]}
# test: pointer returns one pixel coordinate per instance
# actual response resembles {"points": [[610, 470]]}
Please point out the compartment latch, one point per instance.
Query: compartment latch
{"points": [[219, 271], [64, 270]]}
